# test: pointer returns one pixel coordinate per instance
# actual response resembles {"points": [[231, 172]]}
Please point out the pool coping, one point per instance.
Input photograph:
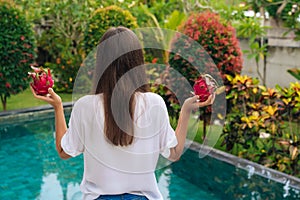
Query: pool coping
{"points": [[251, 167], [32, 109], [30, 114]]}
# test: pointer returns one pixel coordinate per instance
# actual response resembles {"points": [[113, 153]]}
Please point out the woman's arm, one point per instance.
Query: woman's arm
{"points": [[60, 121], [182, 126]]}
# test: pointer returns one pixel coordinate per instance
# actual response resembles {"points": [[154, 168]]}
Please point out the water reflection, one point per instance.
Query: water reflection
{"points": [[52, 189], [164, 182]]}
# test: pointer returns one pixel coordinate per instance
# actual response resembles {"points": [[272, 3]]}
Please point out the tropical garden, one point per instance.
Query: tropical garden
{"points": [[262, 124]]}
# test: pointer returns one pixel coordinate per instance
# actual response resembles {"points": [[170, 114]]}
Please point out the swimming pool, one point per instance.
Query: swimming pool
{"points": [[31, 169]]}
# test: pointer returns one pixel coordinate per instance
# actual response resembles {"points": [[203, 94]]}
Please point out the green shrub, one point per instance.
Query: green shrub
{"points": [[101, 20], [290, 106], [262, 123], [16, 51]]}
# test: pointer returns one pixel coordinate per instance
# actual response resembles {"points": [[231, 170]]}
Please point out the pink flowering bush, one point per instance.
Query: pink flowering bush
{"points": [[209, 46], [217, 39]]}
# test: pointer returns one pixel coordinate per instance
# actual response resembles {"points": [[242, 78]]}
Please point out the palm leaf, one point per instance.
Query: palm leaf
{"points": [[295, 72]]}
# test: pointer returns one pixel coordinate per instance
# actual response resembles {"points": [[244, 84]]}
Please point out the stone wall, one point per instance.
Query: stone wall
{"points": [[283, 54]]}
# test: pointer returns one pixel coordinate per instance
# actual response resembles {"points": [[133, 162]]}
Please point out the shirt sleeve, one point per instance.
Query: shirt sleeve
{"points": [[73, 141], [167, 135]]}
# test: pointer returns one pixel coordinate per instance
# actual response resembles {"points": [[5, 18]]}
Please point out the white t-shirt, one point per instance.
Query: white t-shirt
{"points": [[110, 169]]}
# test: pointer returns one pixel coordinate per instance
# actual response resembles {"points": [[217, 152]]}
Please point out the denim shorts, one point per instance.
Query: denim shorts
{"points": [[125, 196]]}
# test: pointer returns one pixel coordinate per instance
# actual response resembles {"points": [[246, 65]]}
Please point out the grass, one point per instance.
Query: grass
{"points": [[26, 100], [195, 133]]}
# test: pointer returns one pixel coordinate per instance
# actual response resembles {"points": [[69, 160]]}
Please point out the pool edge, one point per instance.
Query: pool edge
{"points": [[30, 114], [32, 109], [283, 178]]}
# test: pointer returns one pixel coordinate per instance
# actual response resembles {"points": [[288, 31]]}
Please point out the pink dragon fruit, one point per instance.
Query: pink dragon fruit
{"points": [[42, 80], [205, 86]]}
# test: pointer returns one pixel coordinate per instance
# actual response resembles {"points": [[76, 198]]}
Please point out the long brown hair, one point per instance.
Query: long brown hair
{"points": [[118, 52]]}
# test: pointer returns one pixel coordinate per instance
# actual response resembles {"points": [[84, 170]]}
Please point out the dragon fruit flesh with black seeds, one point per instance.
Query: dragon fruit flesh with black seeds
{"points": [[42, 80]]}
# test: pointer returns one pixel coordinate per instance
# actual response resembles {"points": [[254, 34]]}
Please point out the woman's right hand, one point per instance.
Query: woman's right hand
{"points": [[189, 104], [193, 103], [52, 98]]}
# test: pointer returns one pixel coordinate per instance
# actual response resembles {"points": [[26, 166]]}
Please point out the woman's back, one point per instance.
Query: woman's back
{"points": [[111, 169]]}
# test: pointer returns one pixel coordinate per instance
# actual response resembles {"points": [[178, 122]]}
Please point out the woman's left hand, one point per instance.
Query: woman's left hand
{"points": [[193, 103], [52, 98]]}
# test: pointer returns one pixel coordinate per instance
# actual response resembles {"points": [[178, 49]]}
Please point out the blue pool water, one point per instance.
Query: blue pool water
{"points": [[31, 169]]}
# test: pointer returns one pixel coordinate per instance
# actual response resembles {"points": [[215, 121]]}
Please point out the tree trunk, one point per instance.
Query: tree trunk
{"points": [[265, 69], [281, 7], [204, 127], [3, 100], [262, 43]]}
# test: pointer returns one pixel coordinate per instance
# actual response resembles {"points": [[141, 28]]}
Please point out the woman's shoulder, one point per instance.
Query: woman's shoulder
{"points": [[86, 98], [87, 101], [152, 97]]}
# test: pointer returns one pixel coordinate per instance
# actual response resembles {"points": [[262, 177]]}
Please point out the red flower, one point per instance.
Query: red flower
{"points": [[7, 85], [22, 37], [191, 59], [177, 56], [58, 61], [27, 46], [154, 60], [196, 35]]}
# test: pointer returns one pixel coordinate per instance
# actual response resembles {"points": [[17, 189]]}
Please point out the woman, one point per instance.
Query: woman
{"points": [[122, 128]]}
